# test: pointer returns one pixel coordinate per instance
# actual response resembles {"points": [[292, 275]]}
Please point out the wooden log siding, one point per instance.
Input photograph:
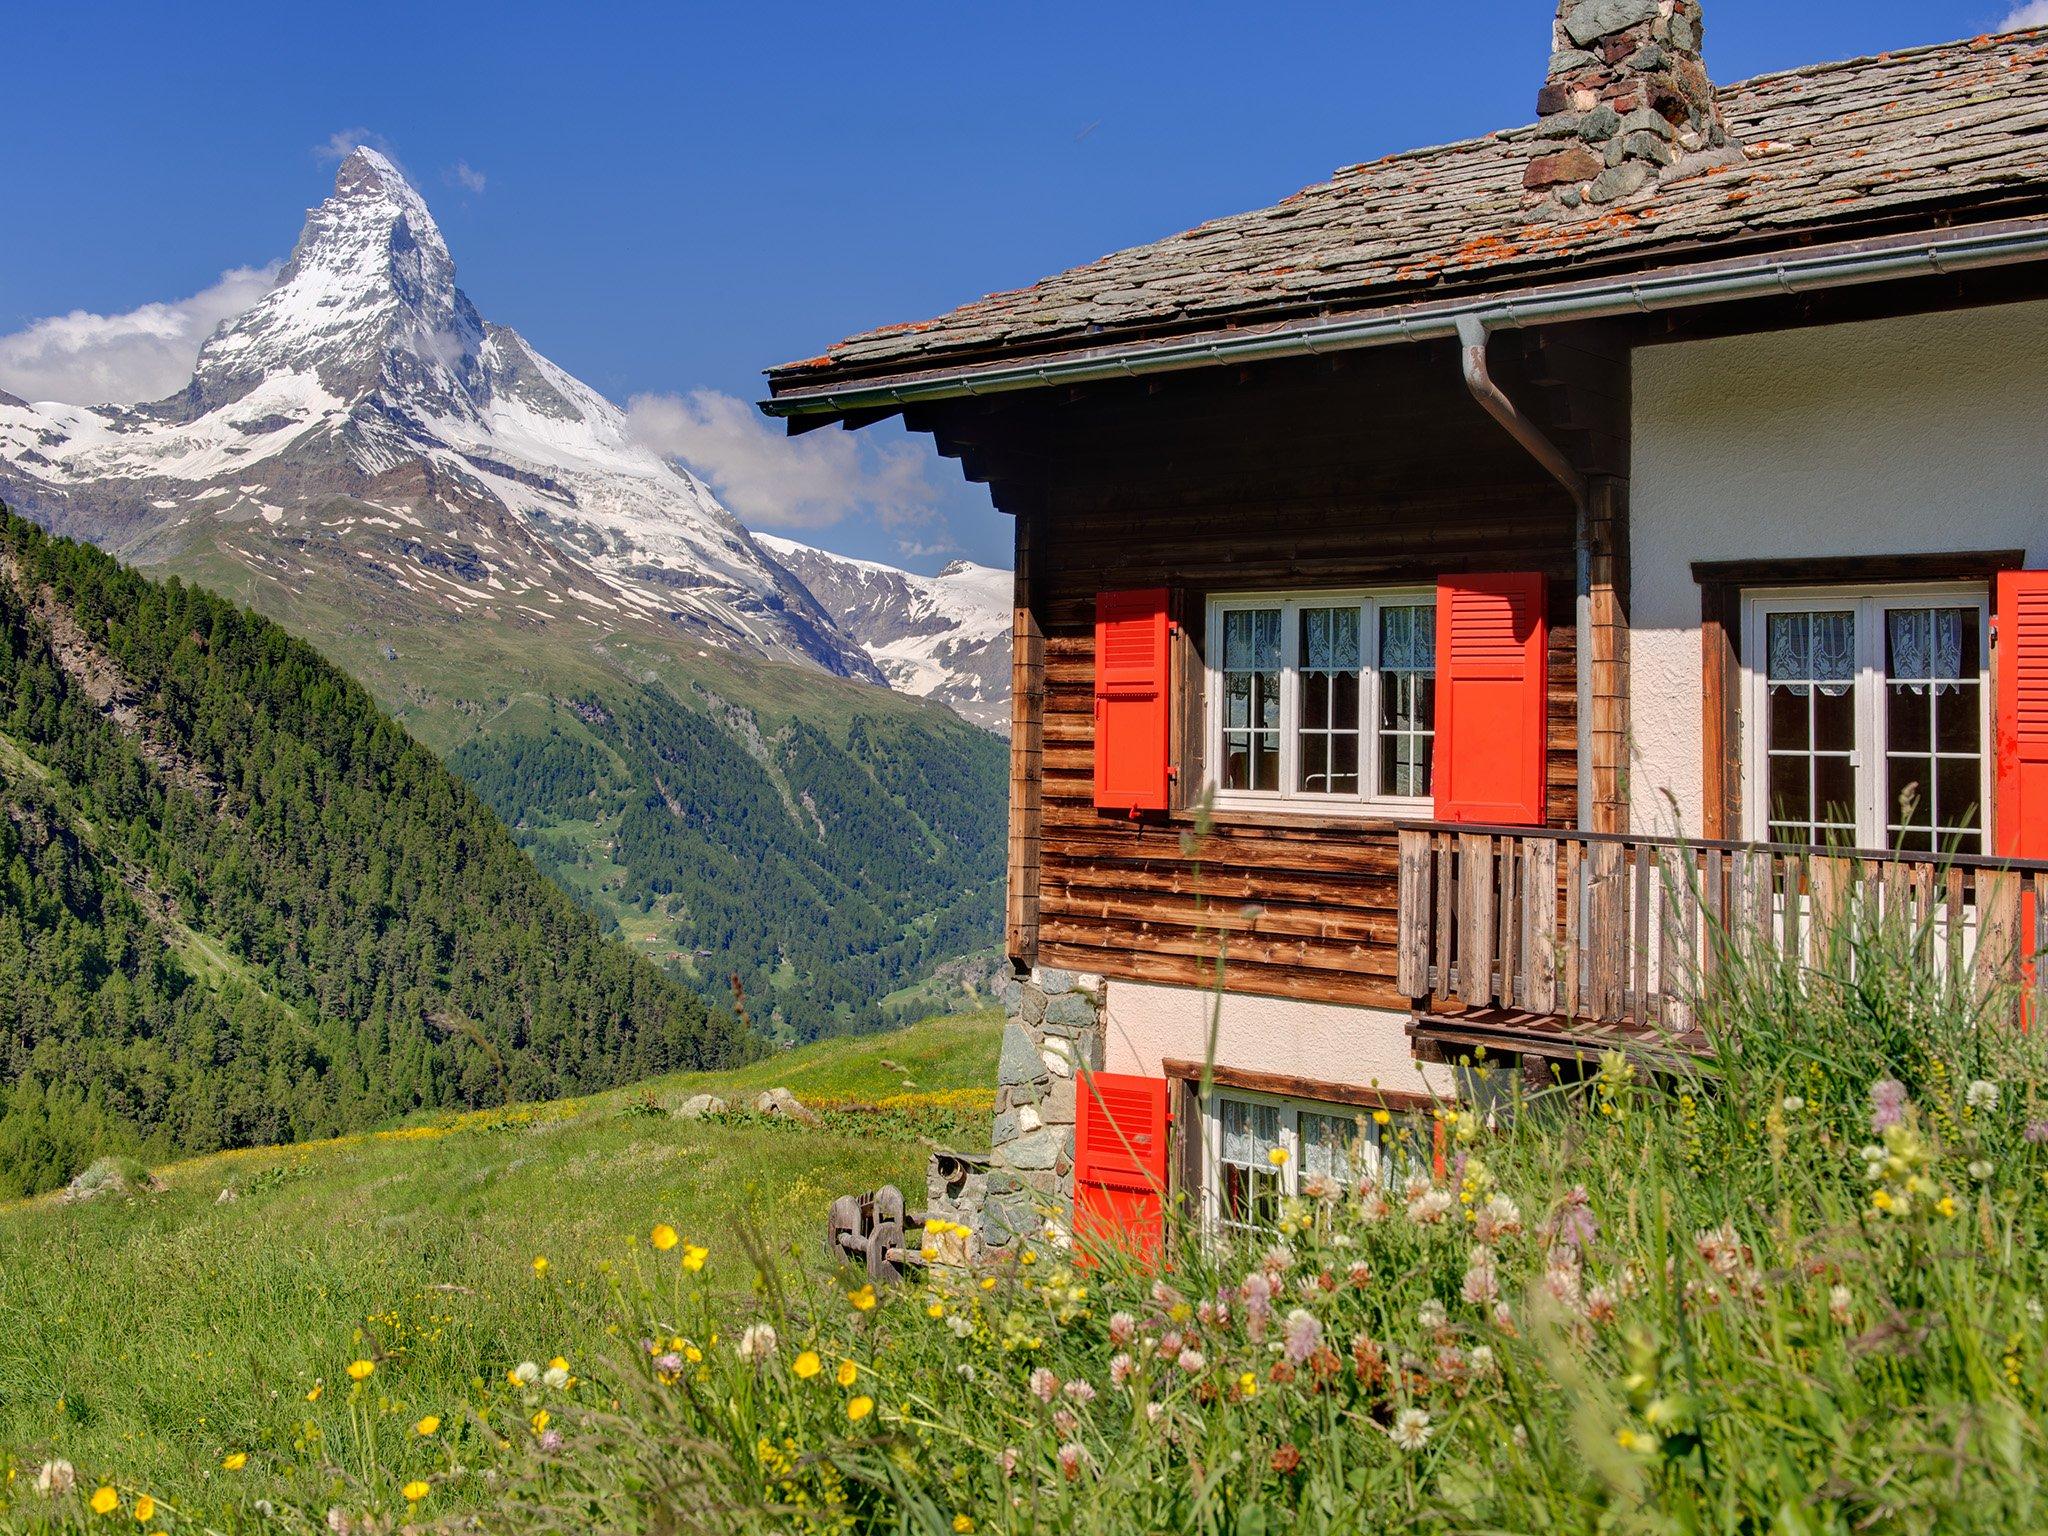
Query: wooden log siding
{"points": [[1622, 930], [1285, 477]]}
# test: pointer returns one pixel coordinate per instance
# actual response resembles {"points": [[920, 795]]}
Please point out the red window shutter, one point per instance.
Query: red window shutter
{"points": [[2022, 816], [1132, 700], [1120, 1153], [1491, 689]]}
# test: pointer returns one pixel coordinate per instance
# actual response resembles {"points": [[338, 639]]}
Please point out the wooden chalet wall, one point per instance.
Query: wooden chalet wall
{"points": [[1374, 469]]}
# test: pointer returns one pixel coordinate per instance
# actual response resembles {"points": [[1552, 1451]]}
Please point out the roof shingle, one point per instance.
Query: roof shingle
{"points": [[1917, 134]]}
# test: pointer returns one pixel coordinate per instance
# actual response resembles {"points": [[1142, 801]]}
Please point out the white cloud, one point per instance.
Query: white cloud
{"points": [[774, 481], [2033, 14], [145, 354], [343, 142], [462, 174]]}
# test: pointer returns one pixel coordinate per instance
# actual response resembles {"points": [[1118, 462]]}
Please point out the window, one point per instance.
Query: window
{"points": [[1867, 717], [1323, 700], [1320, 1141]]}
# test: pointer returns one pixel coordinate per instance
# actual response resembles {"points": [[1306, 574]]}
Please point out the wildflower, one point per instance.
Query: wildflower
{"points": [[1981, 1095], [1072, 1458], [1044, 1385], [1980, 1170], [1481, 1361], [541, 1420], [1411, 1429], [1007, 1461], [234, 1461], [1946, 1205], [1285, 1459], [1301, 1337], [807, 1365], [694, 1255], [960, 1326], [863, 1300], [963, 1525], [106, 1501], [145, 1509], [1277, 1157], [1521, 1438], [1636, 1440], [1122, 1328], [1432, 1316], [1080, 1392], [859, 1408], [1368, 1361], [668, 1367], [1792, 1103], [1257, 1292], [1359, 1276], [1430, 1207], [430, 1425], [1499, 1217], [1482, 1284], [757, 1343], [56, 1478], [1887, 1103], [1600, 1305], [1121, 1369], [1191, 1361], [551, 1441], [1065, 1422], [359, 1370], [847, 1373], [935, 1309], [2036, 1132], [540, 1267], [414, 1491], [1840, 1301], [555, 1377], [663, 1237], [1721, 1249], [1573, 1224], [1154, 1412], [524, 1374]]}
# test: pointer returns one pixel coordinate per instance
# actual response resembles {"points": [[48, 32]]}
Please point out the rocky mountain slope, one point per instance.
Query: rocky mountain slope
{"points": [[943, 637], [668, 719]]}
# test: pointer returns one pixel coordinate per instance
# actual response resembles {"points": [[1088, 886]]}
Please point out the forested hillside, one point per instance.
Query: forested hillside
{"points": [[826, 873], [242, 905]]}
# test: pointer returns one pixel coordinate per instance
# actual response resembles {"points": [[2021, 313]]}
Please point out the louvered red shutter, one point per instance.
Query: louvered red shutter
{"points": [[2022, 817], [1492, 653], [1132, 701], [1120, 1157]]}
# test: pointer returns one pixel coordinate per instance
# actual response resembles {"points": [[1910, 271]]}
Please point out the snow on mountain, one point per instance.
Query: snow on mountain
{"points": [[943, 637], [362, 418]]}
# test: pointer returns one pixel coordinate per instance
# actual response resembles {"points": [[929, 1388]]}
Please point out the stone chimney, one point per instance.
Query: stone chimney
{"points": [[1627, 96]]}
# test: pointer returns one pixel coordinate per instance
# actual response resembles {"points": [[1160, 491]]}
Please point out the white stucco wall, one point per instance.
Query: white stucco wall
{"points": [[1883, 437], [1325, 1042]]}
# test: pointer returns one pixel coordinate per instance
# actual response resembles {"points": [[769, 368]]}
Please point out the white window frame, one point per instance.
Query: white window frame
{"points": [[1369, 802], [1868, 762], [1291, 1111]]}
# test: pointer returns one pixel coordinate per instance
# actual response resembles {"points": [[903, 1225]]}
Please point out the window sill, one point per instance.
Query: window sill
{"points": [[1310, 815]]}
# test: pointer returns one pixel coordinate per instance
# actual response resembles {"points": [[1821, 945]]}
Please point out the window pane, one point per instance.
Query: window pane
{"points": [[1834, 791], [1788, 712], [1248, 1187], [1791, 795], [1251, 698], [1407, 723], [1810, 725], [1956, 789], [1834, 719], [1908, 719], [1328, 1145], [1933, 712], [1330, 662], [1958, 719], [1909, 798], [1315, 762]]}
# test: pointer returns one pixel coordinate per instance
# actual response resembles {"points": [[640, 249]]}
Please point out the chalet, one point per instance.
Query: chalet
{"points": [[1451, 601]]}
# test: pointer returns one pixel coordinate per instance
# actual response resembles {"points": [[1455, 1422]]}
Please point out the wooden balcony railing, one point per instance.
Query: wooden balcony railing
{"points": [[1617, 930]]}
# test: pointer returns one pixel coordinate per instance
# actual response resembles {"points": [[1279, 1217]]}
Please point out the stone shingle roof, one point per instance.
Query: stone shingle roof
{"points": [[1833, 149]]}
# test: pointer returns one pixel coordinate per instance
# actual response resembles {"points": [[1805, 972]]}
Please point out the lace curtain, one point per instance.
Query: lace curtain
{"points": [[1250, 1131], [1813, 648], [1926, 646], [1408, 639], [1251, 640], [1329, 639]]}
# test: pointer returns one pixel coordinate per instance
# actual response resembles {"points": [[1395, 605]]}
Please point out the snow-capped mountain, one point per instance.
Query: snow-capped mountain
{"points": [[943, 637], [363, 421]]}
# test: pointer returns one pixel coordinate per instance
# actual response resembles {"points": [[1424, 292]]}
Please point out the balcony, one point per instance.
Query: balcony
{"points": [[1561, 944]]}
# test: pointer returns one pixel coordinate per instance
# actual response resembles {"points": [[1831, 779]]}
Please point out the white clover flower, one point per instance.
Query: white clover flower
{"points": [[757, 1343], [1792, 1103], [961, 1326], [1980, 1170], [1482, 1361], [526, 1373], [1191, 1361], [1431, 1315], [554, 1376], [1982, 1095], [1411, 1429], [1841, 1304], [56, 1478], [1044, 1385]]}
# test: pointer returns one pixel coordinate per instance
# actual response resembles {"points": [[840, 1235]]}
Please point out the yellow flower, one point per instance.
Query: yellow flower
{"points": [[857, 1409], [1946, 1205], [863, 1299], [847, 1374], [540, 1265], [105, 1502], [414, 1491], [936, 1309], [540, 1421], [145, 1510], [964, 1524], [807, 1365], [1381, 1117], [664, 1238], [1882, 1199], [430, 1425], [988, 1282], [359, 1370], [1248, 1384], [1277, 1157], [234, 1461], [559, 1363], [694, 1256], [313, 1396]]}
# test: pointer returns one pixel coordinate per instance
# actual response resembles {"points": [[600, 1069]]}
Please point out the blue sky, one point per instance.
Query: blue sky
{"points": [[669, 198]]}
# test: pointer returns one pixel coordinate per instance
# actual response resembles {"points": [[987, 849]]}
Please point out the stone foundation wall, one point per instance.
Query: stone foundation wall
{"points": [[1056, 1028]]}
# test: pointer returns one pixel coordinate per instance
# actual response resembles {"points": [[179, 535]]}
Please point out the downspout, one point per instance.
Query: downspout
{"points": [[1474, 331]]}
